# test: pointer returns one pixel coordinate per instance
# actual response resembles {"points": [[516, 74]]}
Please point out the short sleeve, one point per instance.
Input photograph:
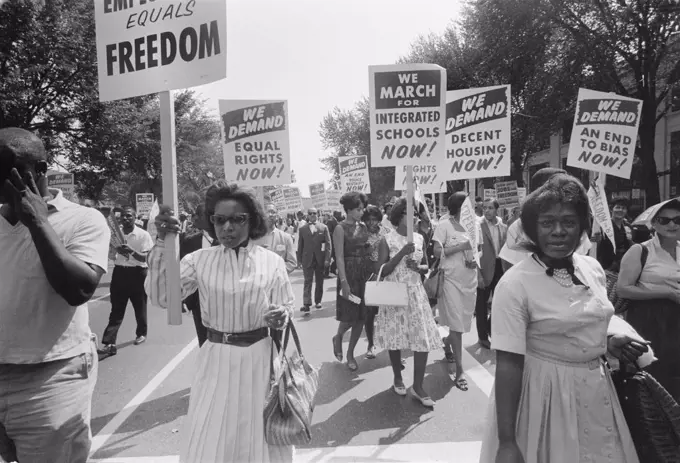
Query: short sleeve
{"points": [[440, 234], [90, 239], [148, 242], [510, 317]]}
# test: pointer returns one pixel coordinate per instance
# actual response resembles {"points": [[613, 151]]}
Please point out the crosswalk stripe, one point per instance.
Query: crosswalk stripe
{"points": [[434, 452]]}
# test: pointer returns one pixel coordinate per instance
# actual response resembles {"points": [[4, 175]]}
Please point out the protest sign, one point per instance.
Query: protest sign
{"points": [[333, 200], [507, 194], [468, 219], [317, 192], [150, 47], [144, 202], [597, 198], [255, 142], [277, 199], [291, 199], [117, 237], [64, 182], [489, 193], [354, 174], [521, 194], [478, 132], [407, 110], [424, 175], [604, 134]]}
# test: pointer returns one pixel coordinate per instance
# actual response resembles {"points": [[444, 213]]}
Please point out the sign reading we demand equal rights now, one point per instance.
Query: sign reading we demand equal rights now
{"points": [[478, 133], [407, 108], [354, 174], [149, 46], [255, 142], [424, 175], [604, 134]]}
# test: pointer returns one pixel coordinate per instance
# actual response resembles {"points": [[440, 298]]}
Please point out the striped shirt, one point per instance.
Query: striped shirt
{"points": [[234, 291]]}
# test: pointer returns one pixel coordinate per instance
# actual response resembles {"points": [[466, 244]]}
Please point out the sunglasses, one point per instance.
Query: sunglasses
{"points": [[237, 219], [667, 220]]}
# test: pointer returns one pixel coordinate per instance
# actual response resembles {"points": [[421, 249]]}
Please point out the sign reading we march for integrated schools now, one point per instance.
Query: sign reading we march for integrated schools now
{"points": [[354, 174], [424, 175], [255, 142], [407, 111], [287, 199], [478, 133], [604, 134], [151, 46]]}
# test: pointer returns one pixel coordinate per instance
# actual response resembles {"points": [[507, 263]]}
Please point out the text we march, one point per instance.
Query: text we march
{"points": [[407, 114], [255, 136]]}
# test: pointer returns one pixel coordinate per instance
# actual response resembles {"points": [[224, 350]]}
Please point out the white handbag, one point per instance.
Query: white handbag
{"points": [[386, 292]]}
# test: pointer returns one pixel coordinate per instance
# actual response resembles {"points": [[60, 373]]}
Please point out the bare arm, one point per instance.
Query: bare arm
{"points": [[450, 250], [509, 371], [327, 247], [384, 258], [339, 239], [629, 274]]}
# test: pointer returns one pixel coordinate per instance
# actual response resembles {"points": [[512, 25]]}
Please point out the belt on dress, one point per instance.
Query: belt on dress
{"points": [[244, 339], [590, 364]]}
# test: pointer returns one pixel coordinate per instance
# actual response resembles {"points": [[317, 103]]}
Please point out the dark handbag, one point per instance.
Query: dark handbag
{"points": [[290, 403], [435, 280], [620, 303], [652, 415]]}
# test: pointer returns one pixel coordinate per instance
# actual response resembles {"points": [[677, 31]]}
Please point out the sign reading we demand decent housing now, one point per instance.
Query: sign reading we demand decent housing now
{"points": [[407, 108], [478, 133], [604, 134], [255, 142], [149, 46], [354, 174]]}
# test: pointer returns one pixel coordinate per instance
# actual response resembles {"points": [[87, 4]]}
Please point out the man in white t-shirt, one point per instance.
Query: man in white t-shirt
{"points": [[52, 255], [127, 281]]}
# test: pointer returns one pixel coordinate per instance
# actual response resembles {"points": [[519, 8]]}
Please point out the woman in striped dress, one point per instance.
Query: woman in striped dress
{"points": [[244, 291]]}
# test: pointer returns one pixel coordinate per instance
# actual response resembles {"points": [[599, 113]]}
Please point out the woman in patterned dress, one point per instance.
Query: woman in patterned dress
{"points": [[372, 218], [354, 267], [244, 291], [411, 327]]}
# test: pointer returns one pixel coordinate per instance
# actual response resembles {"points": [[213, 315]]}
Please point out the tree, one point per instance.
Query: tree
{"points": [[347, 133]]}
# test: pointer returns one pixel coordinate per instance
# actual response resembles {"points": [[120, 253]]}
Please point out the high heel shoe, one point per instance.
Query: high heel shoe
{"points": [[425, 401]]}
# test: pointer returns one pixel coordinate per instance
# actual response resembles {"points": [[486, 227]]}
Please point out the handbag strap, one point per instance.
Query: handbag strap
{"points": [[380, 272]]}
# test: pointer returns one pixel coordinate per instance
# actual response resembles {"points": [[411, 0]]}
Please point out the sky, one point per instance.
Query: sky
{"points": [[315, 54]]}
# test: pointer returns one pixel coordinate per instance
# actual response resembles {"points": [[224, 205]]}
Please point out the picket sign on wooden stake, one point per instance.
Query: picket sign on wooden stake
{"points": [[169, 169], [410, 194]]}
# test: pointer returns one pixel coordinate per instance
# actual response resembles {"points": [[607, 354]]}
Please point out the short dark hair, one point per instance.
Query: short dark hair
{"points": [[398, 211], [353, 199], [455, 202], [623, 202], [223, 191], [129, 207], [543, 175], [478, 199], [494, 202], [371, 212], [560, 189]]}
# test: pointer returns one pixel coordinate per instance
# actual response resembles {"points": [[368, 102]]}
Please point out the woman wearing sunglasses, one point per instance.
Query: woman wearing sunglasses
{"points": [[245, 294], [653, 290]]}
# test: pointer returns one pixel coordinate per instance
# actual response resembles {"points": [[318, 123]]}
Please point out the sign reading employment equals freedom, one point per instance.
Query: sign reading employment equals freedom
{"points": [[150, 46], [255, 142], [408, 104]]}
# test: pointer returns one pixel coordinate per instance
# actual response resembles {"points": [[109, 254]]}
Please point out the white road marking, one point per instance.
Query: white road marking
{"points": [[107, 431], [100, 297], [465, 452]]}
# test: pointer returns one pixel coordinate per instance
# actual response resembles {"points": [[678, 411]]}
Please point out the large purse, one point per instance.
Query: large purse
{"points": [[652, 415], [290, 403], [434, 282], [389, 293]]}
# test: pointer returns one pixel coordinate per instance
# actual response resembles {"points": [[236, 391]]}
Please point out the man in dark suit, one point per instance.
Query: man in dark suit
{"points": [[494, 234], [331, 223], [314, 253], [188, 244]]}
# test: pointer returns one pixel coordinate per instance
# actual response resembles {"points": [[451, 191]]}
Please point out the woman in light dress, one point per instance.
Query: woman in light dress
{"points": [[554, 400], [411, 327], [245, 292], [458, 297]]}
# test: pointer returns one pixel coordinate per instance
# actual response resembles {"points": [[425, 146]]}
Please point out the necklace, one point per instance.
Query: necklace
{"points": [[563, 277]]}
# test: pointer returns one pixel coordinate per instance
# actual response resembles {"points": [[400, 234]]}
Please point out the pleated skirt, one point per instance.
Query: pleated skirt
{"points": [[225, 421]]}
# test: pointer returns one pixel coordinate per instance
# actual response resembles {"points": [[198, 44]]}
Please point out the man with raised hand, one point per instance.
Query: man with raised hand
{"points": [[52, 255]]}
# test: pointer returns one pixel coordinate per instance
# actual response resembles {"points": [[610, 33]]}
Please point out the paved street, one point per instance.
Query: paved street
{"points": [[142, 396]]}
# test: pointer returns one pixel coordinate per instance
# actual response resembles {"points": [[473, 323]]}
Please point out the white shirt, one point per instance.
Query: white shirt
{"points": [[139, 240], [36, 324], [386, 223], [282, 244]]}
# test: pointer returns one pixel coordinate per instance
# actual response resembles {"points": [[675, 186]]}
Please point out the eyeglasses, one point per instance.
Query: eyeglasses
{"points": [[667, 220], [236, 219], [312, 213]]}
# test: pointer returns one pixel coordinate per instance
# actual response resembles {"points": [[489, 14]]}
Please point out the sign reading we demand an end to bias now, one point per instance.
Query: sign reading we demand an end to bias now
{"points": [[407, 108], [354, 174], [149, 46], [478, 133], [255, 142], [604, 134]]}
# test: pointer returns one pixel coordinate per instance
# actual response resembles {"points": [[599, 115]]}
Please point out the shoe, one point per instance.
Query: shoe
{"points": [[318, 305], [399, 390], [108, 349], [305, 310], [139, 340], [352, 365], [425, 401], [484, 343], [370, 353]]}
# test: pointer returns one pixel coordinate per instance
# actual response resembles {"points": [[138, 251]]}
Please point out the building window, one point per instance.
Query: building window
{"points": [[675, 165]]}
